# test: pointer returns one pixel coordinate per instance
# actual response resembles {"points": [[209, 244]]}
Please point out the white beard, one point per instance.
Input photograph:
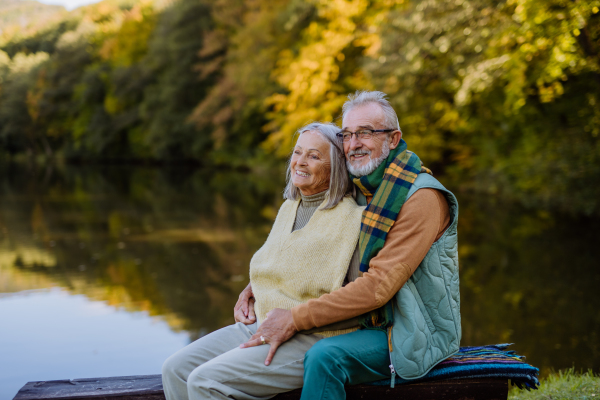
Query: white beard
{"points": [[373, 163]]}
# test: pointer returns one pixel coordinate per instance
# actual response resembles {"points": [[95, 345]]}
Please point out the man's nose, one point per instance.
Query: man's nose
{"points": [[355, 143]]}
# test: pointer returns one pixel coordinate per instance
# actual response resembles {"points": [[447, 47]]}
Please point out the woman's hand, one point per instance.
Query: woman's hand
{"points": [[243, 311]]}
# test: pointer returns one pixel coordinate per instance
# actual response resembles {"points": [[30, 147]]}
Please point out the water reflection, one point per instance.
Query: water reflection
{"points": [[51, 334], [531, 277], [176, 243]]}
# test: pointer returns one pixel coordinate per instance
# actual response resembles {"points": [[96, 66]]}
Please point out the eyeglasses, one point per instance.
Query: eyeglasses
{"points": [[361, 134]]}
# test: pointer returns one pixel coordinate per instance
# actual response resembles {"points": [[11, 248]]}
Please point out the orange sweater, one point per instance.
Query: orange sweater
{"points": [[421, 221]]}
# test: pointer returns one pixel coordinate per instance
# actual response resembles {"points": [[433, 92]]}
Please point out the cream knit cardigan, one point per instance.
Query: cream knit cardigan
{"points": [[294, 267]]}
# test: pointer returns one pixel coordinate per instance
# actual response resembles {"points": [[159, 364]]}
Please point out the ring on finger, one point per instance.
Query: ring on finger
{"points": [[262, 339]]}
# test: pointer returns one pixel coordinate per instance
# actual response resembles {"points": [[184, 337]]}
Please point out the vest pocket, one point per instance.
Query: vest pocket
{"points": [[424, 311]]}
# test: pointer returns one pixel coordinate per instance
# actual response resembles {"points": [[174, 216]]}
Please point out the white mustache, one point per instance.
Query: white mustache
{"points": [[358, 152]]}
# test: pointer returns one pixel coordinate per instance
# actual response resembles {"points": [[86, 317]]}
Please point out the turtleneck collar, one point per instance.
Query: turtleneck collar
{"points": [[314, 200]]}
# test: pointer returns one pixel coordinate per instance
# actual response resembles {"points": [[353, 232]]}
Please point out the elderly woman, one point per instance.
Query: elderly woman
{"points": [[307, 254]]}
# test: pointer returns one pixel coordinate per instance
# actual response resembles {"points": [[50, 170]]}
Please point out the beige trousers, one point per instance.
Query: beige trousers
{"points": [[214, 367]]}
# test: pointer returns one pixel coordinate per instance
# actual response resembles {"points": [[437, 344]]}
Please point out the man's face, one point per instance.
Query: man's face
{"points": [[360, 152]]}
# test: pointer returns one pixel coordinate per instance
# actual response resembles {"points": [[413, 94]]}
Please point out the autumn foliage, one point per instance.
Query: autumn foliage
{"points": [[499, 96]]}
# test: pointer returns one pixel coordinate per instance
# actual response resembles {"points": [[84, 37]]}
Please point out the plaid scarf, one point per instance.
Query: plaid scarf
{"points": [[388, 185]]}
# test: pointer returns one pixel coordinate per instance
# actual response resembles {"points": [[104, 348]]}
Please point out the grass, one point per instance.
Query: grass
{"points": [[566, 384]]}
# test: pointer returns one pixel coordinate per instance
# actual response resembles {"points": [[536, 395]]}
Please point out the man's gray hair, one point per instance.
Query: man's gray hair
{"points": [[339, 180], [360, 98]]}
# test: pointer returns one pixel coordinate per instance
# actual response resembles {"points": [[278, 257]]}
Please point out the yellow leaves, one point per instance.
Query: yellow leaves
{"points": [[341, 11], [130, 42], [371, 42], [311, 75], [477, 78], [543, 43], [550, 42], [112, 104], [23, 63], [549, 93], [525, 48]]}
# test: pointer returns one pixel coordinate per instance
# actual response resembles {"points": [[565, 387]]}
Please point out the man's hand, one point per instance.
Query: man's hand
{"points": [[243, 311], [276, 329]]}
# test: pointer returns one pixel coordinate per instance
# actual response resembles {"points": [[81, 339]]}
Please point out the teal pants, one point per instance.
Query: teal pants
{"points": [[349, 359]]}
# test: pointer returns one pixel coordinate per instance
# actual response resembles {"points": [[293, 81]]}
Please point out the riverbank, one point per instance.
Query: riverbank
{"points": [[566, 384]]}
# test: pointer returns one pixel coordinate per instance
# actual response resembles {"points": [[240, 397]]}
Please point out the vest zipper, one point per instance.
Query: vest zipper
{"points": [[392, 370]]}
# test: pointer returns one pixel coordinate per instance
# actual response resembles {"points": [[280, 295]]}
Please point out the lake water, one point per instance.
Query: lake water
{"points": [[107, 271]]}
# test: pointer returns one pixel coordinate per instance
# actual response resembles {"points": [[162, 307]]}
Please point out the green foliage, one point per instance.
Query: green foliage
{"points": [[564, 385], [175, 87], [17, 130], [502, 91], [501, 96], [44, 40]]}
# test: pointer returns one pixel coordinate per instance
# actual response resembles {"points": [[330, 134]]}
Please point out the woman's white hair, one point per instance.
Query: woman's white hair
{"points": [[361, 98], [339, 180]]}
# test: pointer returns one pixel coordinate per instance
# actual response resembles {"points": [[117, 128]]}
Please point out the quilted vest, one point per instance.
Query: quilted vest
{"points": [[426, 326]]}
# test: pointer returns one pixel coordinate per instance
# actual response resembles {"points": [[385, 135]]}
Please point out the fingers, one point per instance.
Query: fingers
{"points": [[252, 342], [238, 306], [243, 299], [247, 301], [242, 304], [272, 350], [239, 317], [244, 307], [251, 314], [256, 340]]}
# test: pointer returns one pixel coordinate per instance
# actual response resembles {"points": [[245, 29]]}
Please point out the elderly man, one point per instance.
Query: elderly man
{"points": [[407, 299]]}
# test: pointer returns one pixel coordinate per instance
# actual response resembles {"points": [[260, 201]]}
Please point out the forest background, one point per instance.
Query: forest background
{"points": [[501, 97]]}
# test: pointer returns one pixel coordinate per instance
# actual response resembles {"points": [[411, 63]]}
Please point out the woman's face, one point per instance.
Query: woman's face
{"points": [[311, 164]]}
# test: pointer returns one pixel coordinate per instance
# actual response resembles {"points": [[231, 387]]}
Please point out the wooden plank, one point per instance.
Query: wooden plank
{"points": [[121, 387], [149, 387], [457, 389]]}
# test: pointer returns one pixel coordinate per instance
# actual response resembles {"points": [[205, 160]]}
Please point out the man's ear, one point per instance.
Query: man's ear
{"points": [[395, 139]]}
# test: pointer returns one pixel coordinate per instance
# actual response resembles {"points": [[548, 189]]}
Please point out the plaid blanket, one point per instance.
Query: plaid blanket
{"points": [[492, 361]]}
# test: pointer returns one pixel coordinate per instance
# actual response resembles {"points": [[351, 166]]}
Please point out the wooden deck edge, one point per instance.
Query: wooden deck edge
{"points": [[149, 387]]}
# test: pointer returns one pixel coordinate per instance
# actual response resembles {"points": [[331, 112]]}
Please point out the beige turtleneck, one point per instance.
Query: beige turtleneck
{"points": [[308, 206]]}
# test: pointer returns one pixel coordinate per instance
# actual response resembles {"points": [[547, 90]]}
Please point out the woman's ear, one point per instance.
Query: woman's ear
{"points": [[395, 139]]}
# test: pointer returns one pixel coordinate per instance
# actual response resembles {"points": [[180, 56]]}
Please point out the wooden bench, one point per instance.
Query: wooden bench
{"points": [[149, 387]]}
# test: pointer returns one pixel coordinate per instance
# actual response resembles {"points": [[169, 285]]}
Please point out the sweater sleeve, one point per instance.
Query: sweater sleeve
{"points": [[421, 221]]}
